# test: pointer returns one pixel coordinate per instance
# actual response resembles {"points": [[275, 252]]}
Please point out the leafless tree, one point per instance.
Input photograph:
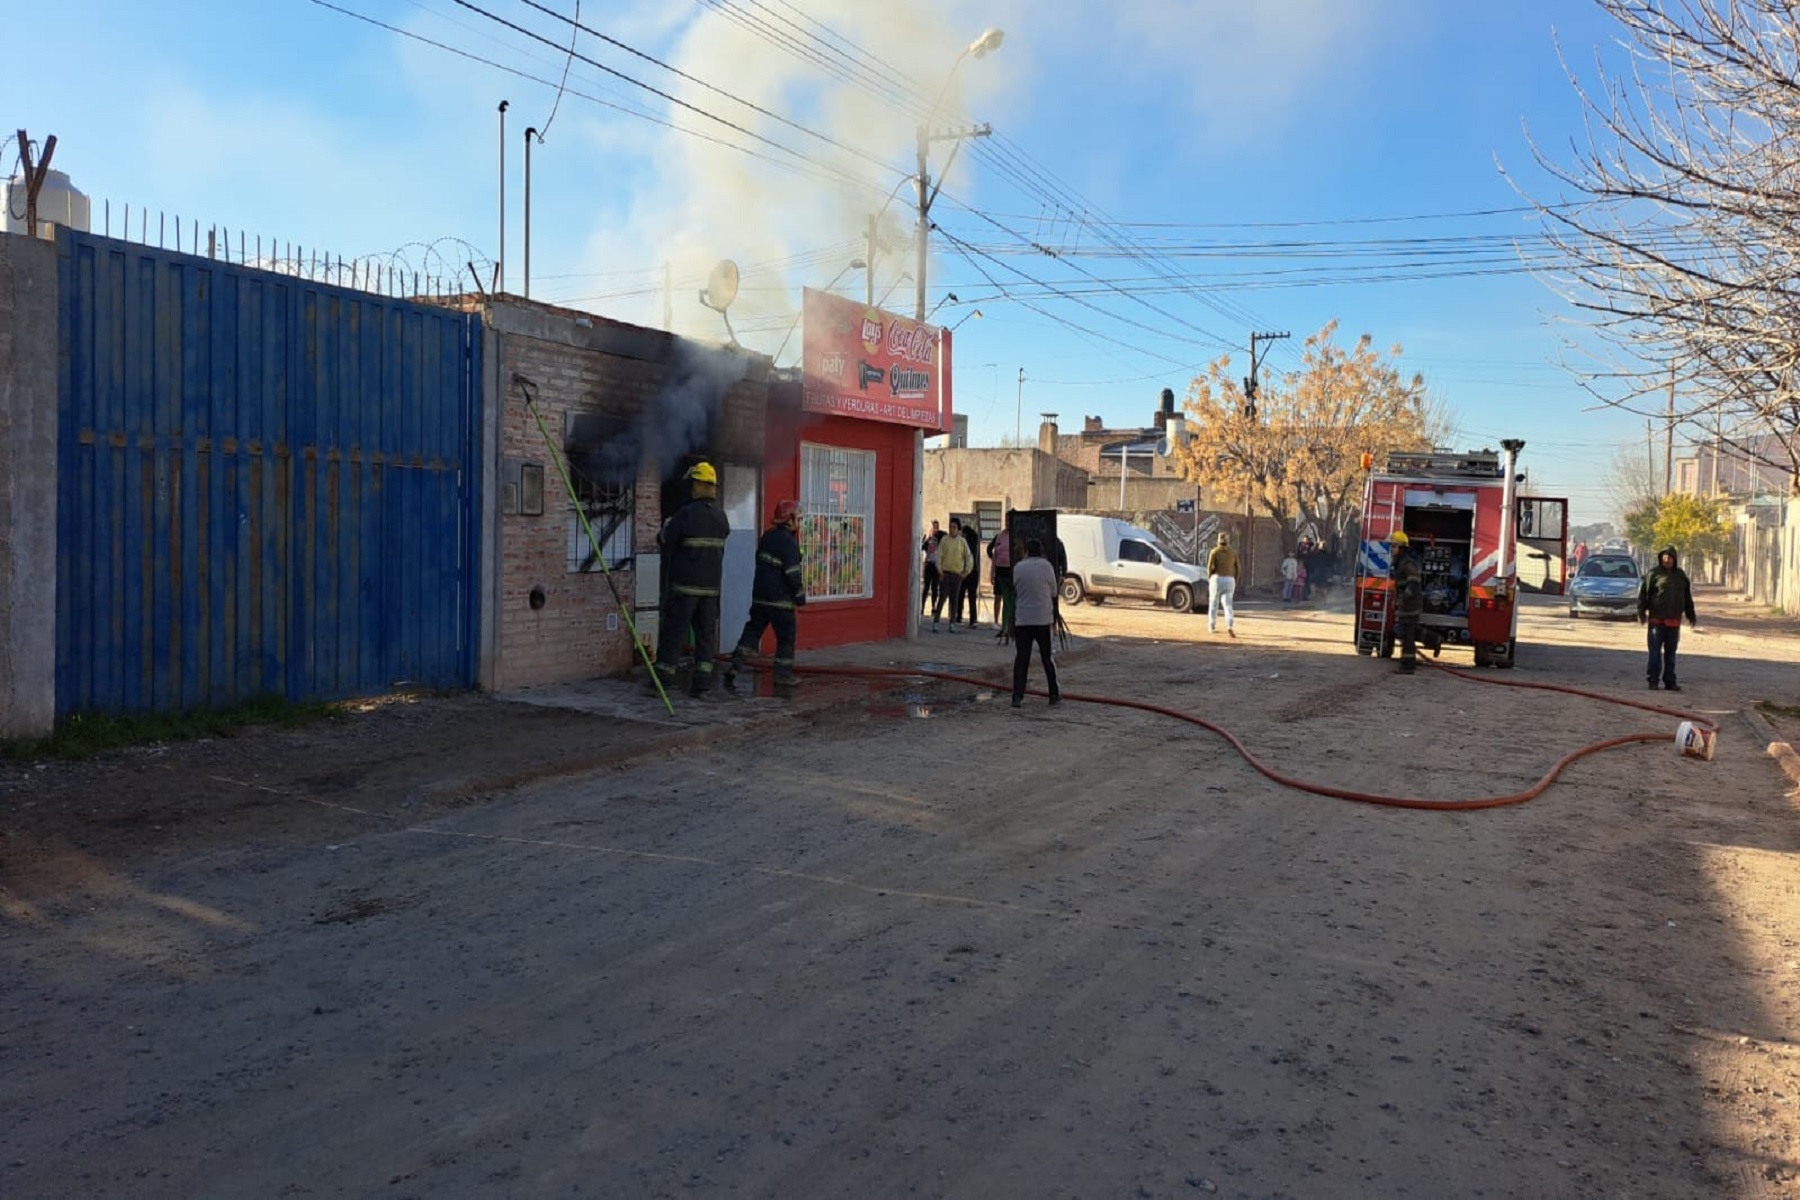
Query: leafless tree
{"points": [[1679, 240]]}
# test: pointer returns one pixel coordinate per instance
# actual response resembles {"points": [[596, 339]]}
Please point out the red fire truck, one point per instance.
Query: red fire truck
{"points": [[1478, 542]]}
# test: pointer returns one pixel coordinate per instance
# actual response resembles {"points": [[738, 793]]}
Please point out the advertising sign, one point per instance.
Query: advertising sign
{"points": [[862, 362]]}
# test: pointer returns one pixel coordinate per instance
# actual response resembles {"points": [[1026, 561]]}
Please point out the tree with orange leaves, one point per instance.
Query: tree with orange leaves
{"points": [[1299, 458]]}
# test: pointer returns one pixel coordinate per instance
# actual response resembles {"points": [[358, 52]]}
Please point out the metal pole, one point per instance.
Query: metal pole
{"points": [[529, 134], [500, 261], [1124, 454]]}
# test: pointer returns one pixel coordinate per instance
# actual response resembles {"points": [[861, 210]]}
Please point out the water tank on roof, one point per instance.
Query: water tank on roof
{"points": [[59, 203]]}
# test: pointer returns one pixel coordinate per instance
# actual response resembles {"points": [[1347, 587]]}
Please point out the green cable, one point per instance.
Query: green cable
{"points": [[529, 390]]}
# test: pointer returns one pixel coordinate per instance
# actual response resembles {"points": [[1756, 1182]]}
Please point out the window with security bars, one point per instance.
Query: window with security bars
{"points": [[837, 525], [609, 512]]}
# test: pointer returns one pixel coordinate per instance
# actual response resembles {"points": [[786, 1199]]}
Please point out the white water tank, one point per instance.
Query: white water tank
{"points": [[58, 204]]}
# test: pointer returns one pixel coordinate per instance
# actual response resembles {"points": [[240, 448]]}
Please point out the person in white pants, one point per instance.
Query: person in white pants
{"points": [[1221, 585]]}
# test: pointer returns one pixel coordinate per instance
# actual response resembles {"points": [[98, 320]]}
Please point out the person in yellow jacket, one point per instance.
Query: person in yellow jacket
{"points": [[1221, 585], [954, 562]]}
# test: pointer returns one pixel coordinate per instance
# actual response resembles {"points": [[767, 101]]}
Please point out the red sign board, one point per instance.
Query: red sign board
{"points": [[862, 362]]}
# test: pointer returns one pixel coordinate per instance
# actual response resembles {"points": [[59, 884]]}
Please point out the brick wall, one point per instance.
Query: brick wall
{"points": [[594, 366]]}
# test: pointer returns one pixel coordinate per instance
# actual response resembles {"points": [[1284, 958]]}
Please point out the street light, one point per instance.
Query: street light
{"points": [[976, 315], [855, 264], [981, 47], [949, 298], [905, 277]]}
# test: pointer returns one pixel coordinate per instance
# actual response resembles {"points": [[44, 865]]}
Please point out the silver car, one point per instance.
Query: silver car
{"points": [[1607, 585]]}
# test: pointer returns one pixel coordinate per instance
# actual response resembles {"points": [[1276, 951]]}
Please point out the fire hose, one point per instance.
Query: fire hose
{"points": [[1320, 789]]}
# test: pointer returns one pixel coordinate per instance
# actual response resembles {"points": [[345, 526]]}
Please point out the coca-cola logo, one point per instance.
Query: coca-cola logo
{"points": [[909, 341]]}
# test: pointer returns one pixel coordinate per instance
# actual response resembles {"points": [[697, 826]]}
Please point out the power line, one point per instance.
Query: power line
{"points": [[804, 166]]}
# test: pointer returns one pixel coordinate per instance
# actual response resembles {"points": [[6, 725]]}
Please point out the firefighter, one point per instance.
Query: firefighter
{"points": [[1409, 599], [777, 591], [693, 546]]}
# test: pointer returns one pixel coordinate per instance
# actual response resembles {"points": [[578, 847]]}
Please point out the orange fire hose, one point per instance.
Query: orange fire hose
{"points": [[1320, 789]]}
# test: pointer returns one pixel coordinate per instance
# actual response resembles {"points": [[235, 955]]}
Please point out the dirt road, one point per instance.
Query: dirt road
{"points": [[921, 944]]}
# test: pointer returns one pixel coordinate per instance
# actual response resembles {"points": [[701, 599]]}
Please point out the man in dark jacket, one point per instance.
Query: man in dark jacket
{"points": [[693, 546], [972, 585], [777, 591], [1664, 597]]}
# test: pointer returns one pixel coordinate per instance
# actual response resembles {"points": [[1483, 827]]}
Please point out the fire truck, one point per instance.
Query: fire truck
{"points": [[1478, 541]]}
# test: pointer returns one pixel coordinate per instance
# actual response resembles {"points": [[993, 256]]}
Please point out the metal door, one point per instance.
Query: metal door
{"points": [[739, 490], [1543, 544], [266, 485]]}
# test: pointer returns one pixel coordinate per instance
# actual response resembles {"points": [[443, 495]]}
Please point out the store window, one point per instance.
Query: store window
{"points": [[837, 500]]}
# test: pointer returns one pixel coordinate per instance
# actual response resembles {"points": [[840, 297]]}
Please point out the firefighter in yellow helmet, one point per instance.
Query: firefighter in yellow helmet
{"points": [[1409, 598], [777, 591], [693, 546]]}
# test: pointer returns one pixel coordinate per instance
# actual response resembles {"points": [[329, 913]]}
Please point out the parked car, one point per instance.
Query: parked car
{"points": [[1606, 585], [1108, 557]]}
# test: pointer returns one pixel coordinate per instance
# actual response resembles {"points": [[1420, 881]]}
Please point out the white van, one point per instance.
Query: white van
{"points": [[1108, 557]]}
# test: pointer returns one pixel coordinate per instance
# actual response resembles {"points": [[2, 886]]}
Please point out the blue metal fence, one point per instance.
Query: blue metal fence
{"points": [[267, 485]]}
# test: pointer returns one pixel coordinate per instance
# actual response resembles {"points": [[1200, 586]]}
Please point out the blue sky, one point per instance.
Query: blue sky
{"points": [[1197, 131]]}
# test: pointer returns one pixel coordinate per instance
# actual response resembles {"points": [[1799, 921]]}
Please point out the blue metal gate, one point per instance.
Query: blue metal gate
{"points": [[267, 485]]}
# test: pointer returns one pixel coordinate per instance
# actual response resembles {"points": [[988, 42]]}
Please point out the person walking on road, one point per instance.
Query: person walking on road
{"points": [[953, 565], [1221, 585], [1290, 577], [1409, 599], [1035, 588], [776, 592], [693, 544], [1664, 598]]}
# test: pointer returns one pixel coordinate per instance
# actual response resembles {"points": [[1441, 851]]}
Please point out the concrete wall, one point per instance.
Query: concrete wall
{"points": [[955, 479], [28, 429], [588, 365]]}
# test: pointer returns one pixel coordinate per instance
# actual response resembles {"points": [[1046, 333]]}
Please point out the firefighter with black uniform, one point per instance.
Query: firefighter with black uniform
{"points": [[1409, 599], [774, 595], [693, 546]]}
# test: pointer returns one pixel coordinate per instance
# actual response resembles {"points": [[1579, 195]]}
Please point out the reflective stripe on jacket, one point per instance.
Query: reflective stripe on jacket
{"points": [[778, 582], [693, 542]]}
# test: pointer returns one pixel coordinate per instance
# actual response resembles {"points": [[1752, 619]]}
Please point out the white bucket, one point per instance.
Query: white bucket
{"points": [[1695, 741]]}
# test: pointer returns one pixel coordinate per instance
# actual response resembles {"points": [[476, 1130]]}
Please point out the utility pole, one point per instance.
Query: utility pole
{"points": [[927, 194], [869, 257], [668, 297], [1669, 437], [1019, 412], [1250, 390]]}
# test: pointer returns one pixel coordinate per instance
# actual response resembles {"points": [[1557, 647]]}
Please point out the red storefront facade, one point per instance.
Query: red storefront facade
{"points": [[846, 440]]}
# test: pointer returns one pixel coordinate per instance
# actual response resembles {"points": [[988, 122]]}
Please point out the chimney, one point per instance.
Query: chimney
{"points": [[1092, 425], [1047, 434]]}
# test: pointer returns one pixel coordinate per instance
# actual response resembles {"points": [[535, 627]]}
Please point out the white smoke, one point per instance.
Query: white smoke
{"points": [[693, 202]]}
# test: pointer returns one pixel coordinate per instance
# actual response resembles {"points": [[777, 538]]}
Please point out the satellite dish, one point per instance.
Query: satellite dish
{"points": [[1162, 448], [722, 285]]}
